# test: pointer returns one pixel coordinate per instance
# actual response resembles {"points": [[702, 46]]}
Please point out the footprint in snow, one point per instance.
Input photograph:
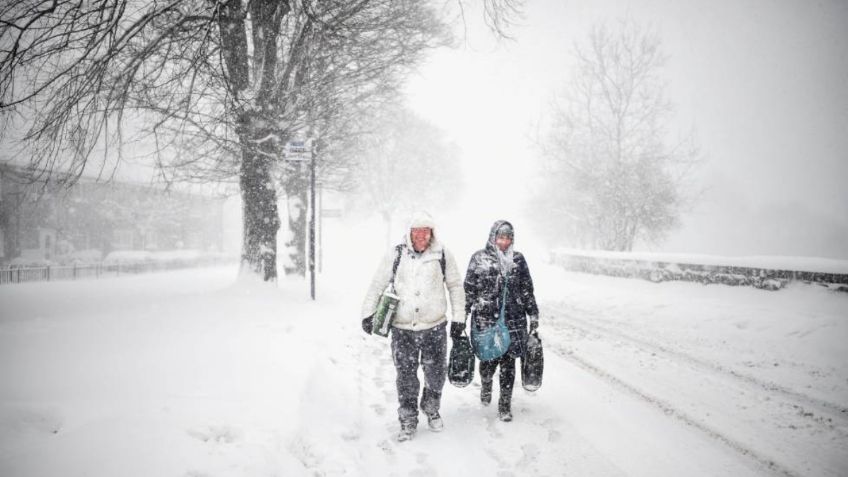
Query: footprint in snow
{"points": [[495, 454], [529, 455], [425, 469], [305, 452], [30, 420], [351, 435], [492, 426], [196, 473], [215, 434], [386, 447]]}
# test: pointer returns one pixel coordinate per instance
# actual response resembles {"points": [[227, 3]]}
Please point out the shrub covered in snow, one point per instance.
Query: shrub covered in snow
{"points": [[24, 262], [81, 257], [128, 256]]}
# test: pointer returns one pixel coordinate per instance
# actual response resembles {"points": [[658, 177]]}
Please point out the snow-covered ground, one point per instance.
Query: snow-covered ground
{"points": [[190, 373]]}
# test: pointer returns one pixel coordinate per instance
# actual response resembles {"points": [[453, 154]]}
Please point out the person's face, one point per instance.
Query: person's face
{"points": [[421, 238], [503, 242]]}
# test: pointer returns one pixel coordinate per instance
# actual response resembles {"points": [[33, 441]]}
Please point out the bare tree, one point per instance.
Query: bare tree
{"points": [[218, 85], [404, 163], [614, 175]]}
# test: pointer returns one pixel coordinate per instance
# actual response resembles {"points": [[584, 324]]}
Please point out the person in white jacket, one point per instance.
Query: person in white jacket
{"points": [[425, 270]]}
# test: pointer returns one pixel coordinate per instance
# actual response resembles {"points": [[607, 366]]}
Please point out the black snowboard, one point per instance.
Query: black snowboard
{"points": [[532, 364], [461, 364]]}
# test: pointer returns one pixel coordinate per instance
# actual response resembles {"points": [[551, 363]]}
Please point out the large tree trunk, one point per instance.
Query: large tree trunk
{"points": [[259, 196], [261, 218]]}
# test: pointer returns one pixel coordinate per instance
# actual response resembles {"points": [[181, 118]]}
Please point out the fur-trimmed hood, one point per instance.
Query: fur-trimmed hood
{"points": [[422, 219]]}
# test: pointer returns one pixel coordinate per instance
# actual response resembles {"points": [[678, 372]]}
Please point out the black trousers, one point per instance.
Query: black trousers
{"points": [[506, 377], [429, 349]]}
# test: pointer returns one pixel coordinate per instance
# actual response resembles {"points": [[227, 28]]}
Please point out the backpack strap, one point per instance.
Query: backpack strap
{"points": [[502, 315], [442, 263], [399, 248]]}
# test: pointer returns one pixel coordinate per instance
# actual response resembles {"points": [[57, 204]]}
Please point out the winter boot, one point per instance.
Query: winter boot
{"points": [[407, 431], [504, 408], [486, 392], [434, 420]]}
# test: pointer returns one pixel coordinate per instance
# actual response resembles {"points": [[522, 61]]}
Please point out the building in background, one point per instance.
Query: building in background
{"points": [[41, 221]]}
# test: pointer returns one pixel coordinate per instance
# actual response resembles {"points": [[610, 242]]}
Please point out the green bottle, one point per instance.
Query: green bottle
{"points": [[386, 308]]}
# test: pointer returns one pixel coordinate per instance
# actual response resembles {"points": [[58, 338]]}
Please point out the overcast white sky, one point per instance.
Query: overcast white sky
{"points": [[762, 82]]}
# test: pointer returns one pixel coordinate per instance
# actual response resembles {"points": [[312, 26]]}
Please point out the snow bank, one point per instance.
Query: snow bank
{"points": [[771, 273], [801, 264]]}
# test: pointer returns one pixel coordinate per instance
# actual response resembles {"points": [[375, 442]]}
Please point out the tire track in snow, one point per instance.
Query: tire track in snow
{"points": [[670, 410], [801, 401]]}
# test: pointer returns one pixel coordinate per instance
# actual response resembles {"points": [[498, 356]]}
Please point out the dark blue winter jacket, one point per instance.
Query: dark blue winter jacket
{"points": [[484, 283]]}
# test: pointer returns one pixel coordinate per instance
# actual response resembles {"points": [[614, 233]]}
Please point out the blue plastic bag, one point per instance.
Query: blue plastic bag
{"points": [[494, 341]]}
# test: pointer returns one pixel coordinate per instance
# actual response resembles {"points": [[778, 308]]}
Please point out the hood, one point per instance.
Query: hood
{"points": [[418, 220], [493, 232]]}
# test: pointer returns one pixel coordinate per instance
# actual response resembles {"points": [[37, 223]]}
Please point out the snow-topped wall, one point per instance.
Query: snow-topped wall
{"points": [[770, 272]]}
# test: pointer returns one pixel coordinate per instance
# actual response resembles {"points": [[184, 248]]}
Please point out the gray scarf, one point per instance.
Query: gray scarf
{"points": [[505, 260]]}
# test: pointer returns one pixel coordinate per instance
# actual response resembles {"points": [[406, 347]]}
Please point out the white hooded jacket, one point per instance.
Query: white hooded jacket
{"points": [[419, 283]]}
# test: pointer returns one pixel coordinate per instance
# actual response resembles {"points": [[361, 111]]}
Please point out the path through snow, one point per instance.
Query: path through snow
{"points": [[186, 373]]}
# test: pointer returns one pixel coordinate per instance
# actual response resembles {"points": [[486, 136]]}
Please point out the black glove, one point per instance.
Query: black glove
{"points": [[534, 323], [457, 329], [367, 324]]}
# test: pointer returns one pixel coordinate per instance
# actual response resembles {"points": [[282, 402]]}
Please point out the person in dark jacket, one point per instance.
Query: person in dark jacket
{"points": [[488, 271]]}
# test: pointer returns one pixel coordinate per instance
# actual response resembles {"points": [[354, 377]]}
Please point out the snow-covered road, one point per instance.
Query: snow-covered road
{"points": [[784, 430], [761, 373], [186, 373]]}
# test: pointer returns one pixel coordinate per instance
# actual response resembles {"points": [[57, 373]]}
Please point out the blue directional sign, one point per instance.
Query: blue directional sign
{"points": [[297, 151]]}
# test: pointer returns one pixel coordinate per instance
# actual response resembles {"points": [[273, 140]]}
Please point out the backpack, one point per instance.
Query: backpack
{"points": [[400, 247], [388, 302]]}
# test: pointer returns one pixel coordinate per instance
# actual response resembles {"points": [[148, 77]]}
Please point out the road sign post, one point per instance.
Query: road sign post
{"points": [[296, 150]]}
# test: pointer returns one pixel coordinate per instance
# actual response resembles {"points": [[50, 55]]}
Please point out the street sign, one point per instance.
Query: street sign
{"points": [[297, 151]]}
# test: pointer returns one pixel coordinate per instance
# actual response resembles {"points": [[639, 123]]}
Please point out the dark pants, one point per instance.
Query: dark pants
{"points": [[506, 378], [429, 347]]}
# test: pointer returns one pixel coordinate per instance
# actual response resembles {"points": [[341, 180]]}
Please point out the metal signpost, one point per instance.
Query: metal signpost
{"points": [[302, 151]]}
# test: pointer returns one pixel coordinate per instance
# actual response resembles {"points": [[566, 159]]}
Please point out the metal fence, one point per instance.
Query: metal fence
{"points": [[73, 272]]}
